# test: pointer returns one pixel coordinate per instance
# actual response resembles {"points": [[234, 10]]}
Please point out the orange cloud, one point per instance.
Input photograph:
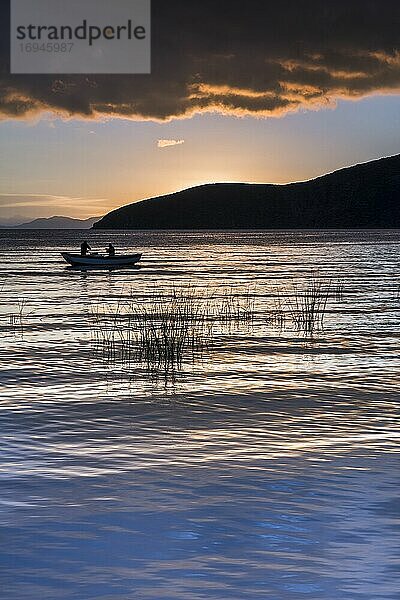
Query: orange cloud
{"points": [[168, 143]]}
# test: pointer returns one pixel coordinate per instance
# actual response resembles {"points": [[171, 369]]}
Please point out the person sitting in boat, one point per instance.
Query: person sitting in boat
{"points": [[110, 250], [84, 248]]}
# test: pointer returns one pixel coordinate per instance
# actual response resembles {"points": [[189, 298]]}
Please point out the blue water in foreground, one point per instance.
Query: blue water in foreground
{"points": [[267, 469]]}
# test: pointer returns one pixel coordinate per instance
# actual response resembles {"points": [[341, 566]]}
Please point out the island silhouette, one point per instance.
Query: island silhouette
{"points": [[362, 196]]}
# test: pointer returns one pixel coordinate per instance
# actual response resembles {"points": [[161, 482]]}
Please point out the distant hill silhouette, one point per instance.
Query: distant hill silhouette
{"points": [[58, 223], [363, 196]]}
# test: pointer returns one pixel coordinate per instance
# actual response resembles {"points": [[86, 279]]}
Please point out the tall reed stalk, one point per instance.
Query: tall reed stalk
{"points": [[16, 319]]}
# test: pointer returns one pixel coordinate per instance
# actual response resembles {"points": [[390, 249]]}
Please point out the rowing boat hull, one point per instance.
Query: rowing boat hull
{"points": [[101, 261]]}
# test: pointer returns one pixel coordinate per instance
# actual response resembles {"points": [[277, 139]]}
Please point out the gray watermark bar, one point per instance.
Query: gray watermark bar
{"points": [[80, 36]]}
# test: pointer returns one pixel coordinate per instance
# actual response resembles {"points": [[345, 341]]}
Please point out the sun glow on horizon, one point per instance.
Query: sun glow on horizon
{"points": [[82, 169]]}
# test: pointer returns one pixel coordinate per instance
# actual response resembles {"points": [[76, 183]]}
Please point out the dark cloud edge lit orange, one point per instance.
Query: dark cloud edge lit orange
{"points": [[263, 59]]}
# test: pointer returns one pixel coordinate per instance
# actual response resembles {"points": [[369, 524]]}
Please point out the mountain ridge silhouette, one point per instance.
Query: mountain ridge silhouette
{"points": [[361, 196]]}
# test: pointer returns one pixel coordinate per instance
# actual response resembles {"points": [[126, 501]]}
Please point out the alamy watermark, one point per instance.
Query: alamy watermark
{"points": [[80, 36]]}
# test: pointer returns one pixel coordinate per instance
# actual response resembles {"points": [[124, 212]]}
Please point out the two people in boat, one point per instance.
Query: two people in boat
{"points": [[85, 247]]}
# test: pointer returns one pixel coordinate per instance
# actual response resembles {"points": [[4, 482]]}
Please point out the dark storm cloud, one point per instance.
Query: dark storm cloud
{"points": [[256, 57]]}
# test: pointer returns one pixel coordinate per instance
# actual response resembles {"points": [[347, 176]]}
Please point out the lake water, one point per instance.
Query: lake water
{"points": [[267, 468]]}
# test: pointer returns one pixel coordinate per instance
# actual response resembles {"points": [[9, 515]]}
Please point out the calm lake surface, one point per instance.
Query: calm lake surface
{"points": [[266, 469]]}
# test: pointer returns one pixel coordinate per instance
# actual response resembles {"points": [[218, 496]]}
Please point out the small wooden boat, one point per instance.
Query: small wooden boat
{"points": [[101, 260]]}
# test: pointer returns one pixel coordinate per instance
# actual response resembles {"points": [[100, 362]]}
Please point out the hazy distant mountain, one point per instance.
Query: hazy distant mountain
{"points": [[58, 223], [363, 196]]}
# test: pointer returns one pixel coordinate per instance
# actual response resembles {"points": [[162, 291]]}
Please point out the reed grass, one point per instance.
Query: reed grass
{"points": [[169, 327], [179, 324], [16, 319], [305, 306]]}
